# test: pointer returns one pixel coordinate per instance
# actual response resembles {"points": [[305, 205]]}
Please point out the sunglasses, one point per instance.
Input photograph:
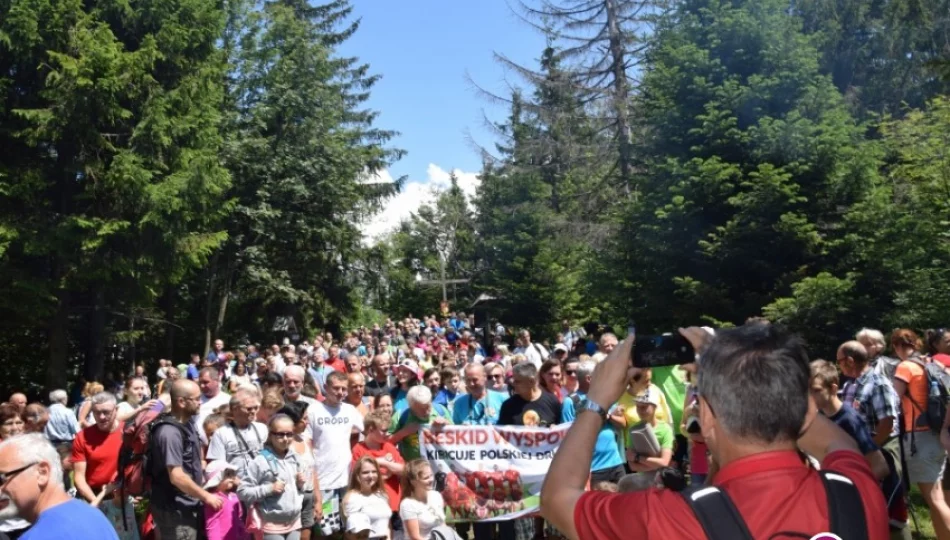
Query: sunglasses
{"points": [[498, 376], [282, 434], [7, 476], [571, 372]]}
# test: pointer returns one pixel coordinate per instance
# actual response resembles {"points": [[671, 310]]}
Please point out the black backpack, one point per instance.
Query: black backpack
{"points": [[721, 520]]}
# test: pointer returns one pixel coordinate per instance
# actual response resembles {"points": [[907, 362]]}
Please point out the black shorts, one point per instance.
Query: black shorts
{"points": [[306, 511], [612, 475]]}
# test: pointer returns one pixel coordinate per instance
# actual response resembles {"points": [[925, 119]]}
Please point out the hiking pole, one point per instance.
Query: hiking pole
{"points": [[913, 516]]}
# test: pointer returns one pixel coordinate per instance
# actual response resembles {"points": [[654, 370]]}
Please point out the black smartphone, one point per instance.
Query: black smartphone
{"points": [[665, 350], [440, 481]]}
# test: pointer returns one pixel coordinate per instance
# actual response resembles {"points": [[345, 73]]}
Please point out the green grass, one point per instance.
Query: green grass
{"points": [[919, 509]]}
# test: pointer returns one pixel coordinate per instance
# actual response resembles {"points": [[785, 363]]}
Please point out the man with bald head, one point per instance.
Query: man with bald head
{"points": [[355, 386], [480, 406], [18, 400], [177, 495], [380, 371]]}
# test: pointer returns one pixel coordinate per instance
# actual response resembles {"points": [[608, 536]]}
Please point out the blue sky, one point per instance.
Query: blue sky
{"points": [[424, 49]]}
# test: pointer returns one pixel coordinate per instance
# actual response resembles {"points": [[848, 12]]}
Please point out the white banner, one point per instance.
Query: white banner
{"points": [[491, 473]]}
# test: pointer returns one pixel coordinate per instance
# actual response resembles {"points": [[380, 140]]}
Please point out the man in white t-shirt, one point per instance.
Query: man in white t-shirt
{"points": [[533, 352], [209, 380], [333, 424], [240, 440]]}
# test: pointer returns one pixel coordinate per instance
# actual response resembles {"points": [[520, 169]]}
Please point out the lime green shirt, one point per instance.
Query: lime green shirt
{"points": [[664, 435], [409, 447], [672, 381]]}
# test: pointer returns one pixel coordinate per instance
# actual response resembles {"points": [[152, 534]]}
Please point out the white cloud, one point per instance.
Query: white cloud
{"points": [[413, 195]]}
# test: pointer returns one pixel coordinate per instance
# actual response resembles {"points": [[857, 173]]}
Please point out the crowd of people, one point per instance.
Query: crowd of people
{"points": [[321, 438]]}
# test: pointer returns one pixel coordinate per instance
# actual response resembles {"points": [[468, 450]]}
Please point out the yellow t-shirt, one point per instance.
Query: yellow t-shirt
{"points": [[629, 404]]}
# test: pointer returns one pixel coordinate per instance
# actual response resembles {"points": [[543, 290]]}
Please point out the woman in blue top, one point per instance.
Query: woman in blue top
{"points": [[607, 462], [408, 375]]}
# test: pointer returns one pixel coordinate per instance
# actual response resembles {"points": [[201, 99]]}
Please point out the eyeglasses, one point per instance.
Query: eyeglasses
{"points": [[7, 476], [282, 434], [498, 376]]}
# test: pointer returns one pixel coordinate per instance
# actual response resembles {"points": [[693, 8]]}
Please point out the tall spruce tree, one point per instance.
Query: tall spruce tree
{"points": [[110, 182], [532, 262], [442, 233], [752, 155], [601, 44], [301, 148]]}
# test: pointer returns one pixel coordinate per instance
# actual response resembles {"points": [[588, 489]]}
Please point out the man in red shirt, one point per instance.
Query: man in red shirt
{"points": [[96, 449], [335, 361], [755, 412]]}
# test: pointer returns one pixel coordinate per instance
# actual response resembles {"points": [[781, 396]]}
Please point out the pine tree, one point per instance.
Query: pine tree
{"points": [[535, 271], [601, 43], [110, 184], [752, 156], [443, 233], [300, 150]]}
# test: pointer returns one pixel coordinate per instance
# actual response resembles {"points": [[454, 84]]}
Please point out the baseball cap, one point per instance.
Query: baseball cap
{"points": [[357, 523], [650, 397], [560, 347], [215, 472]]}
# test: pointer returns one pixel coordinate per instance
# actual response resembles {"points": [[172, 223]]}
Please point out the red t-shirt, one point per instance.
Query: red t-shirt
{"points": [[391, 483], [774, 492], [100, 452], [943, 359], [337, 364]]}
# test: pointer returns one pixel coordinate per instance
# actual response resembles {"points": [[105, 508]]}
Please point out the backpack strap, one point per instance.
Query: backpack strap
{"points": [[242, 442], [717, 514], [845, 509]]}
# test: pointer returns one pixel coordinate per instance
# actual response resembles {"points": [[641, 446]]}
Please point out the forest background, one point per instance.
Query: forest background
{"points": [[173, 171]]}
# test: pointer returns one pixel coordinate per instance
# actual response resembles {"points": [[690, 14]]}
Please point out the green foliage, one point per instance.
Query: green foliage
{"points": [[819, 308], [880, 54], [751, 156], [299, 148], [110, 178], [122, 127], [899, 231], [437, 239]]}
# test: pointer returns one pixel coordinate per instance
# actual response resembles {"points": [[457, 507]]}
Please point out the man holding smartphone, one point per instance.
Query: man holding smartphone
{"points": [[755, 414]]}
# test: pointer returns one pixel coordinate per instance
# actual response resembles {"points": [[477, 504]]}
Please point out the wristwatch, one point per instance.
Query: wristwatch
{"points": [[589, 405]]}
